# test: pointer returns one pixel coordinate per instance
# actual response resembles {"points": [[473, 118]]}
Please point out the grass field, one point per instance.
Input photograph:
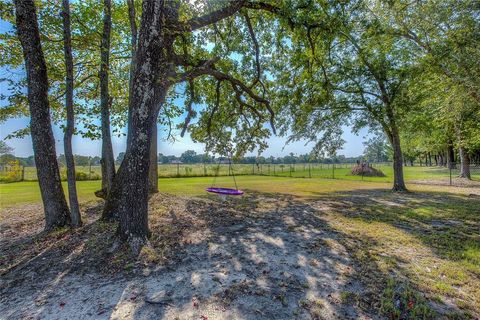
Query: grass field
{"points": [[337, 171], [29, 192]]}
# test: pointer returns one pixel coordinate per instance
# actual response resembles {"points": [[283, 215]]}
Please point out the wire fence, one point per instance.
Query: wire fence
{"points": [[418, 173]]}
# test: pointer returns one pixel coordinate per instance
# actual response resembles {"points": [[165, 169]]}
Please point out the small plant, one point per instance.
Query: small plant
{"points": [[348, 297], [14, 172], [400, 301]]}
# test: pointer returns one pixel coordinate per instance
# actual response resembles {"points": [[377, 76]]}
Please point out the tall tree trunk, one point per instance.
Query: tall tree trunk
{"points": [[70, 127], [128, 199], [398, 180], [450, 156], [153, 170], [462, 152], [54, 202], [108, 161], [394, 136], [464, 163], [133, 44]]}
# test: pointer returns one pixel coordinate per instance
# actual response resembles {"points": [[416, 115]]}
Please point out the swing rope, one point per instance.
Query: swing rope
{"points": [[233, 173], [230, 168]]}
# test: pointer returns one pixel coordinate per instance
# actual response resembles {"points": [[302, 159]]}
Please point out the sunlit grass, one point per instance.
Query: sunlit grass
{"points": [[29, 192]]}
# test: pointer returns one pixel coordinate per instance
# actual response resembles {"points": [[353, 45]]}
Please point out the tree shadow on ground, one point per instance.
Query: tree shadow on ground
{"points": [[432, 236], [446, 223], [262, 256]]}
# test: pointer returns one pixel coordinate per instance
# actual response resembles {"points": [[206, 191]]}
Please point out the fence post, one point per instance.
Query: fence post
{"points": [[450, 171], [204, 169], [253, 168], [274, 169], [290, 170], [178, 169], [333, 171], [23, 173], [89, 168], [309, 171]]}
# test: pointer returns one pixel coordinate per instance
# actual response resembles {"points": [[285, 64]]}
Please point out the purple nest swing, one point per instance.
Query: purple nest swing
{"points": [[225, 191]]}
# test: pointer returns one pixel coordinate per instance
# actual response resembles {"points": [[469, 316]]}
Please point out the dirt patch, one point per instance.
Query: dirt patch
{"points": [[261, 256], [243, 259], [457, 182]]}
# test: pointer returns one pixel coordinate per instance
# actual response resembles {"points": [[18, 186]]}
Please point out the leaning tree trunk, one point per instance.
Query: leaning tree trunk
{"points": [[464, 164], [108, 161], [54, 203], [70, 127], [128, 199]]}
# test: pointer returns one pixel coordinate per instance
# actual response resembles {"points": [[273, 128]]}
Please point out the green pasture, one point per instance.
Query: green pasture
{"points": [[28, 191], [300, 170]]}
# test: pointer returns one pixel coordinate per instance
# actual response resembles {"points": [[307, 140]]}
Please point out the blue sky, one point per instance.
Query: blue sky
{"points": [[23, 147]]}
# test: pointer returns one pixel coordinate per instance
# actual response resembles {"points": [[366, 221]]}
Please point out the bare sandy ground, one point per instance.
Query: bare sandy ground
{"points": [[256, 258]]}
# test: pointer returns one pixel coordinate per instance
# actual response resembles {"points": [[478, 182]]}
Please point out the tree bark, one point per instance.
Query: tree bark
{"points": [[441, 159], [464, 164], [133, 44], [128, 199], [70, 126], [450, 156], [108, 161], [54, 202], [153, 170], [398, 180], [394, 137]]}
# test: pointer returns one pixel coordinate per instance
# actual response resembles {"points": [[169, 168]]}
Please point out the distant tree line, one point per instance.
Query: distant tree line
{"points": [[190, 156]]}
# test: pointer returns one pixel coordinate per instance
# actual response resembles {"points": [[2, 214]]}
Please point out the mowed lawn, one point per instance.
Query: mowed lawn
{"points": [[18, 193]]}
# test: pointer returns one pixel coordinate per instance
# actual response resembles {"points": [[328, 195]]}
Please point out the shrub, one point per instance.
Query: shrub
{"points": [[14, 172], [81, 175]]}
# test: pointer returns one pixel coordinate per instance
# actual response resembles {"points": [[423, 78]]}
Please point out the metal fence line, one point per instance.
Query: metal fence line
{"points": [[420, 174]]}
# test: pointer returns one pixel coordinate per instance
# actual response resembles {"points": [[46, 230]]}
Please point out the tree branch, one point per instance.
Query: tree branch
{"points": [[256, 47], [199, 22], [207, 68], [191, 90], [215, 107]]}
